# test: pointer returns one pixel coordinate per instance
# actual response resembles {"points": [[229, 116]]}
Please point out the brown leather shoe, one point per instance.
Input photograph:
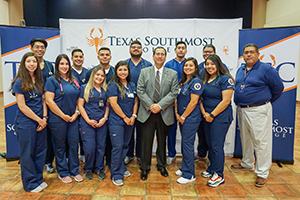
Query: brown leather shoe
{"points": [[260, 181], [240, 167]]}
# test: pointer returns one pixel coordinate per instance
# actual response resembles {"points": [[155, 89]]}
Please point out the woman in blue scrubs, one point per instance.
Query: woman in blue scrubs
{"points": [[93, 127], [187, 111], [30, 122], [122, 114], [217, 111], [61, 93]]}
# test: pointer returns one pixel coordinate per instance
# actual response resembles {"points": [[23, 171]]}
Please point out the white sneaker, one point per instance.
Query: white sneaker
{"points": [[215, 180], [37, 189], [182, 180], [43, 185], [170, 160], [127, 173], [82, 158], [206, 174], [178, 172], [118, 182]]}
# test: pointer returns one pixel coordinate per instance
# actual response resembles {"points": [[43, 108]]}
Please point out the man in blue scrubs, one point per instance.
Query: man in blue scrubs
{"points": [[258, 85], [136, 63], [177, 65]]}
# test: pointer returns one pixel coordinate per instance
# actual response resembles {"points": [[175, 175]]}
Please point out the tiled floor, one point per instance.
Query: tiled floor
{"points": [[283, 183]]}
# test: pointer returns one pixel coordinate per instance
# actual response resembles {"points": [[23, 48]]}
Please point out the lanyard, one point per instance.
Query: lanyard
{"points": [[62, 89]]}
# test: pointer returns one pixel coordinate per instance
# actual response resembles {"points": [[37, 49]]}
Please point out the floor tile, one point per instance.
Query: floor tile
{"points": [[79, 197], [183, 189], [134, 177], [6, 195], [8, 173], [274, 178], [230, 178], [158, 198], [12, 184], [205, 190], [264, 198], [282, 190], [85, 187], [256, 191], [158, 189], [133, 189], [233, 190], [211, 198], [157, 177], [107, 188], [52, 196], [290, 178], [128, 197], [27, 195], [245, 177], [105, 197], [60, 187]]}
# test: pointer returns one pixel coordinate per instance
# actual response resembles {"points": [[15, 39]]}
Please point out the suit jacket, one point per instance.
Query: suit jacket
{"points": [[168, 92]]}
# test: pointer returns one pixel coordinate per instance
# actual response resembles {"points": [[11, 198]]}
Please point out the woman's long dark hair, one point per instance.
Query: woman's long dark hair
{"points": [[23, 74], [116, 79], [196, 72], [56, 73], [221, 70]]}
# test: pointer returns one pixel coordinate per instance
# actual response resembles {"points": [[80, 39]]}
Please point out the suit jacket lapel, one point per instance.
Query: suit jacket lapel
{"points": [[163, 77]]}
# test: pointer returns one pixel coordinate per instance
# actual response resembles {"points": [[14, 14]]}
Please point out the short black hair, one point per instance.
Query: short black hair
{"points": [[77, 50], [34, 40], [211, 46], [159, 47], [180, 42], [135, 42], [104, 48], [251, 45]]}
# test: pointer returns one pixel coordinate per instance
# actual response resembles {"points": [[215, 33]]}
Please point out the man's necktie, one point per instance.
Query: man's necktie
{"points": [[157, 87]]}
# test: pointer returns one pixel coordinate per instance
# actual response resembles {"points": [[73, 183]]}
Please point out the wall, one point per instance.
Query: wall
{"points": [[4, 20]]}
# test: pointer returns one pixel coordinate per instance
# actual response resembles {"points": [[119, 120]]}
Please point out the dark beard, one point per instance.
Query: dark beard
{"points": [[136, 56]]}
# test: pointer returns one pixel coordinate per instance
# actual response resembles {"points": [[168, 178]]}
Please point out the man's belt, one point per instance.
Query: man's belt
{"points": [[253, 105]]}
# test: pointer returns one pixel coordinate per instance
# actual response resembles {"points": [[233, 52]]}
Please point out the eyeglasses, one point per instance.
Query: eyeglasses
{"points": [[160, 54], [104, 54], [206, 52], [39, 47], [136, 47], [251, 52]]}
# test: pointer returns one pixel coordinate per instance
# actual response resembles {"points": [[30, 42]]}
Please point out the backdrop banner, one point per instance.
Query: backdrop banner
{"points": [[15, 42], [91, 35], [280, 48]]}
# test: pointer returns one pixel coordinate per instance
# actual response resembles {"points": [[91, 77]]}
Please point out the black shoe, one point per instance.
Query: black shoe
{"points": [[163, 171], [144, 175]]}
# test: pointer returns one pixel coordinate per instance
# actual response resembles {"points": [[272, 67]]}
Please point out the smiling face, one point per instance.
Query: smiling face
{"points": [[104, 57], [99, 77], [208, 51], [63, 67], [77, 59], [38, 49], [159, 57], [180, 51], [189, 68], [122, 72], [31, 64], [211, 67], [136, 50]]}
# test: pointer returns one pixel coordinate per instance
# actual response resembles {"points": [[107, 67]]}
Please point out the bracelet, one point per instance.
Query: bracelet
{"points": [[78, 112], [211, 115], [105, 118], [134, 115], [182, 118], [46, 117]]}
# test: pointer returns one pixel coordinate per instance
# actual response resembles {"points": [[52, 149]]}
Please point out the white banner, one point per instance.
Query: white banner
{"points": [[117, 34]]}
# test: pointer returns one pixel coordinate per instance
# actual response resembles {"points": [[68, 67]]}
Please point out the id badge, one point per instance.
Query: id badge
{"points": [[130, 95], [101, 102], [242, 88]]}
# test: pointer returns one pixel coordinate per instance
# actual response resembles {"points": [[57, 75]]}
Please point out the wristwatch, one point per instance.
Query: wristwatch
{"points": [[211, 115]]}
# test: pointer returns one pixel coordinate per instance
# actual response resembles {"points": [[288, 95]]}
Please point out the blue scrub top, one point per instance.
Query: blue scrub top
{"points": [[80, 77], [67, 102], [193, 86], [135, 70], [47, 71], [92, 108], [33, 100], [212, 96], [126, 104], [177, 66], [202, 69]]}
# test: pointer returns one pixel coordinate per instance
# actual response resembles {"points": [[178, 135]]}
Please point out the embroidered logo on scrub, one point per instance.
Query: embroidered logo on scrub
{"points": [[230, 81], [197, 86]]}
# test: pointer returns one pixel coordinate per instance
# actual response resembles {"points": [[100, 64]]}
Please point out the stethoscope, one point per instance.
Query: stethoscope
{"points": [[216, 80], [33, 95], [62, 89], [187, 87], [143, 63], [100, 100], [49, 69]]}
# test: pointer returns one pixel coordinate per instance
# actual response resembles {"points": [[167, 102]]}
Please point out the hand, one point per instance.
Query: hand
{"points": [[42, 124], [101, 122], [181, 121], [155, 108], [67, 118], [205, 115], [177, 116], [208, 118], [132, 120], [73, 117], [92, 122], [127, 120]]}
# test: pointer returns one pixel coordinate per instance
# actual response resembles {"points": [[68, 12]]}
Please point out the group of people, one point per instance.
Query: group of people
{"points": [[114, 112]]}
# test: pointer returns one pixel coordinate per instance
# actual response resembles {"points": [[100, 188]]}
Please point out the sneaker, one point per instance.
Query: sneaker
{"points": [[260, 181], [101, 175], [37, 189], [127, 173], [89, 175], [206, 174], [127, 160], [215, 180], [82, 158], [178, 172], [197, 158], [66, 179], [43, 185], [182, 180], [118, 182], [78, 178], [240, 167], [170, 160], [49, 168]]}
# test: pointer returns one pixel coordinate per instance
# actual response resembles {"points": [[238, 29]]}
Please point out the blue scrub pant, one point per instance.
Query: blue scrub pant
{"points": [[215, 133], [33, 147], [137, 143], [50, 151], [202, 147], [93, 140], [172, 139], [120, 136], [188, 133], [65, 135]]}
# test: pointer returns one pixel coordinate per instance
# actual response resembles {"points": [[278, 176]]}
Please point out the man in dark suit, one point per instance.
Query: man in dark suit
{"points": [[157, 89]]}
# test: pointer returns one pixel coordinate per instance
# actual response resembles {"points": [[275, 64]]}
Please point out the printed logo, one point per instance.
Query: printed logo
{"points": [[226, 50], [197, 86], [96, 41], [230, 81], [272, 58]]}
